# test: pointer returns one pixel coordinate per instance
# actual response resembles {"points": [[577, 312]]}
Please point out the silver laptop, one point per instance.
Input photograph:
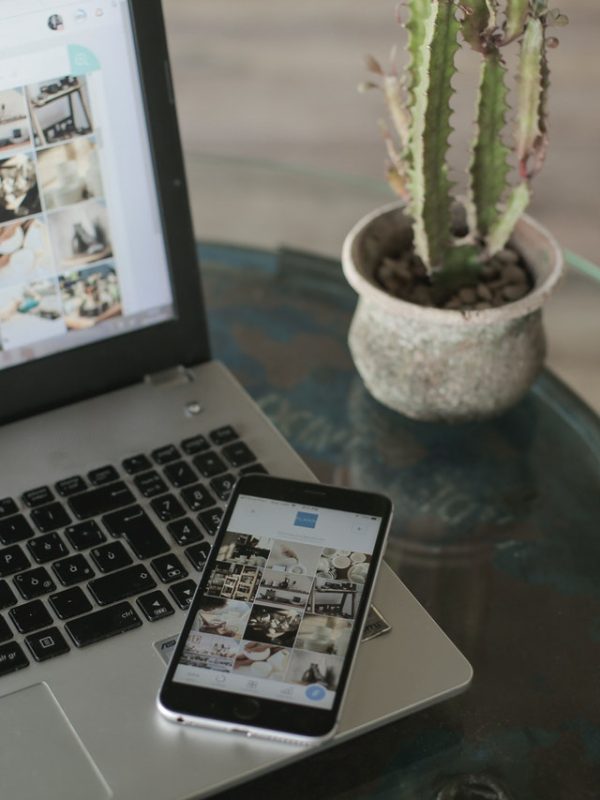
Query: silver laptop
{"points": [[120, 437]]}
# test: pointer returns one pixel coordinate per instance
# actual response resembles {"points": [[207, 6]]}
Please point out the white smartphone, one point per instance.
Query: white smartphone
{"points": [[272, 632]]}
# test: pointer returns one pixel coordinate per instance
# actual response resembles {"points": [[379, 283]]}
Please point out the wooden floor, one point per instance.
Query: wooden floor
{"points": [[276, 80]]}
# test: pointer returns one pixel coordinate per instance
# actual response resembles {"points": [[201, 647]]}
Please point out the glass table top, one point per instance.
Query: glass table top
{"points": [[495, 532]]}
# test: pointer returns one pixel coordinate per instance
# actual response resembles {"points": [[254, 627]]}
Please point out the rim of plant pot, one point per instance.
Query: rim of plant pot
{"points": [[546, 275]]}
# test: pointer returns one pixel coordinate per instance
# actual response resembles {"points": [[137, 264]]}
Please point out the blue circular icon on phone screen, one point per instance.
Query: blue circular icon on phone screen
{"points": [[315, 692]]}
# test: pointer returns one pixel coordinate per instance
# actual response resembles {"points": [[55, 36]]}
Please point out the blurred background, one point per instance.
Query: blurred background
{"points": [[264, 83]]}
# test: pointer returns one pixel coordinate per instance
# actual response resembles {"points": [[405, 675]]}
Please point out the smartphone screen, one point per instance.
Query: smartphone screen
{"points": [[282, 600]]}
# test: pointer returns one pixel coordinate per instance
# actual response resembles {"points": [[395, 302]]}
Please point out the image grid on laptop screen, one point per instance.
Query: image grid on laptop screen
{"points": [[82, 252]]}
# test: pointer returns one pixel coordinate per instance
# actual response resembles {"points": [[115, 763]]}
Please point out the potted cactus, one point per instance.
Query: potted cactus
{"points": [[448, 324]]}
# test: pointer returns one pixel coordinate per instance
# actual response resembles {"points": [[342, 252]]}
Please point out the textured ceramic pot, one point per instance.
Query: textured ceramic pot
{"points": [[438, 364]]}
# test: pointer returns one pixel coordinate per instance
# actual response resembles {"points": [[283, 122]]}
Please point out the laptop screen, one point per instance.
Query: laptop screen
{"points": [[82, 252]]}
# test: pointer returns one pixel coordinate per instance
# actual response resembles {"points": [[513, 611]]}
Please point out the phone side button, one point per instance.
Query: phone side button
{"points": [[246, 709]]}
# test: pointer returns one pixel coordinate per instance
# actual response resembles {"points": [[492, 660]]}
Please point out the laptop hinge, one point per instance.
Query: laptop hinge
{"points": [[170, 377]]}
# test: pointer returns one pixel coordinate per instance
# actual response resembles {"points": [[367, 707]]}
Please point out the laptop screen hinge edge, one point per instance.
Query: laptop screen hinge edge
{"points": [[170, 377]]}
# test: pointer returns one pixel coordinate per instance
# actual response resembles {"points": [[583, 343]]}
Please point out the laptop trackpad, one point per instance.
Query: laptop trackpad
{"points": [[40, 752]]}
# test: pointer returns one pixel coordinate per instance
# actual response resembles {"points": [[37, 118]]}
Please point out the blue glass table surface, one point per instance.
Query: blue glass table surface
{"points": [[496, 531]]}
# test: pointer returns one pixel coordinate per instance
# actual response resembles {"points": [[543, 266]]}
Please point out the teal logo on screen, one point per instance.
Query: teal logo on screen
{"points": [[304, 519], [83, 60]]}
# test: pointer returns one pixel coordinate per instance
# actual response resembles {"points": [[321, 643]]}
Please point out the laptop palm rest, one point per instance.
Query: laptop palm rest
{"points": [[33, 722]]}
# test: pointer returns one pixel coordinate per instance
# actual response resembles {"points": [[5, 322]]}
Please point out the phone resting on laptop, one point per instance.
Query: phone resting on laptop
{"points": [[274, 628]]}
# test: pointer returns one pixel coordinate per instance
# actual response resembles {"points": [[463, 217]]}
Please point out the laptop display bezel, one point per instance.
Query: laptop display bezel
{"points": [[121, 360]]}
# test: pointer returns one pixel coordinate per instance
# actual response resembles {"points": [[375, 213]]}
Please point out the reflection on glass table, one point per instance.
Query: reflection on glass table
{"points": [[495, 531]]}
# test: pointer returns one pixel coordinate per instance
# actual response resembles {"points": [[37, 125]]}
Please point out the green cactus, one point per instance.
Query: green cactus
{"points": [[477, 20], [420, 12], [419, 106], [489, 166], [516, 17], [428, 178]]}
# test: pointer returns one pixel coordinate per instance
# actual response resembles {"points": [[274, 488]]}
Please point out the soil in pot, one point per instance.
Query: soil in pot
{"points": [[503, 279]]}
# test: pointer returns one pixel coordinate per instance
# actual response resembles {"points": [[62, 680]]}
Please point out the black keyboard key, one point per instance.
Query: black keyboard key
{"points": [[222, 486], [197, 554], [7, 596], [101, 500], [103, 624], [197, 497], [257, 469], [180, 474], [111, 556], [38, 497], [167, 508], [195, 444], [155, 606], [211, 520], [224, 435], [47, 644], [84, 535], [12, 658], [183, 593], [12, 559], [34, 583], [209, 464], [69, 486], [70, 603], [30, 617], [238, 454], [184, 531], [162, 455], [120, 585], [150, 484], [50, 517], [7, 507], [15, 529], [140, 533], [136, 464], [102, 475], [73, 570], [47, 548], [169, 568], [5, 631]]}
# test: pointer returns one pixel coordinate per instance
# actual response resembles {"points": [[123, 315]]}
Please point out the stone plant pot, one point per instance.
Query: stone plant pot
{"points": [[437, 364]]}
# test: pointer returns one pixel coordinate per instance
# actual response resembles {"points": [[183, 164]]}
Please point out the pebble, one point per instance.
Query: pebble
{"points": [[514, 274], [483, 305], [489, 271], [403, 272], [418, 268], [514, 291], [453, 303], [386, 271], [393, 268], [507, 256], [460, 230], [483, 292], [467, 295], [421, 295], [400, 288]]}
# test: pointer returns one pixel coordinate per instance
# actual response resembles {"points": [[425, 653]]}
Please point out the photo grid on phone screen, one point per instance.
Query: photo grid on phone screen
{"points": [[277, 610], [57, 265]]}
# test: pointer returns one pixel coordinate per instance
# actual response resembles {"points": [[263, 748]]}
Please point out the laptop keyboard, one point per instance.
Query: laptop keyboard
{"points": [[96, 556]]}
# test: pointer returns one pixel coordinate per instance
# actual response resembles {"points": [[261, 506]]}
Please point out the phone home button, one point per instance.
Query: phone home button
{"points": [[246, 709]]}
